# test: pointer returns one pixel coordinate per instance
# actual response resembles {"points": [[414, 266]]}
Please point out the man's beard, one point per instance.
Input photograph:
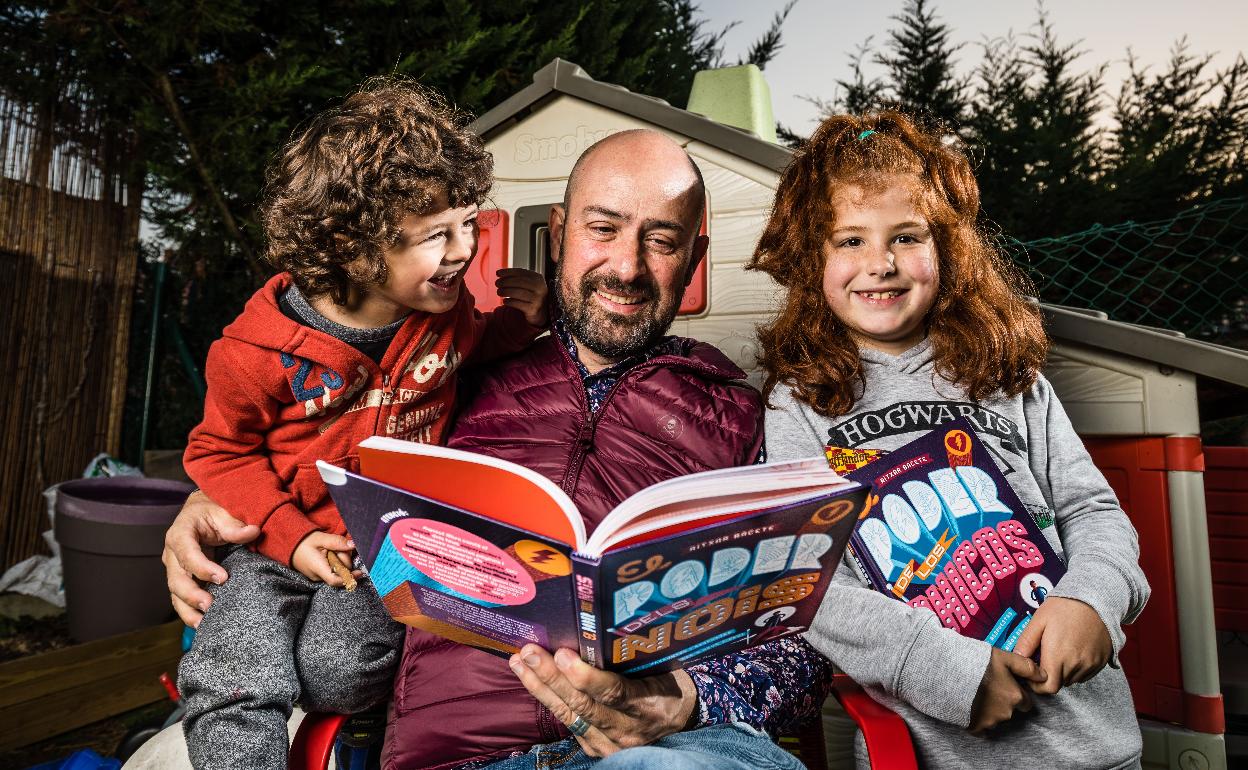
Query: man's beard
{"points": [[611, 335]]}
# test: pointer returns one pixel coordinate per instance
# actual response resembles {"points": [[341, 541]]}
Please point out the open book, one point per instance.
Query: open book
{"points": [[491, 554]]}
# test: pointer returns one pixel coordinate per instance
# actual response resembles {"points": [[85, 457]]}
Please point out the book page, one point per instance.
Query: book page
{"points": [[487, 486], [692, 514], [691, 499]]}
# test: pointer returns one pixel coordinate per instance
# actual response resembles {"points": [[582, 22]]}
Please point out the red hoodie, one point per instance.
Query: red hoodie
{"points": [[282, 395]]}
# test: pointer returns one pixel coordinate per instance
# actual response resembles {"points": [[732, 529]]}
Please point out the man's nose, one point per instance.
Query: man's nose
{"points": [[628, 260]]}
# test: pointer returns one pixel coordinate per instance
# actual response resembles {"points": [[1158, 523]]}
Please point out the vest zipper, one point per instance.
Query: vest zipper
{"points": [[586, 438], [572, 473]]}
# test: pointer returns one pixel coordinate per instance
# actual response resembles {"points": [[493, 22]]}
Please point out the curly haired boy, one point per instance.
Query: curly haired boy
{"points": [[371, 214]]}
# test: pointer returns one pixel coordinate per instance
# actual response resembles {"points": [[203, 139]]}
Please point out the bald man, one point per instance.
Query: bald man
{"points": [[608, 404]]}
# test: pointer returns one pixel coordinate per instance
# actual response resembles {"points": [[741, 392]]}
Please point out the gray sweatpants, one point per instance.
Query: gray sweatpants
{"points": [[271, 638]]}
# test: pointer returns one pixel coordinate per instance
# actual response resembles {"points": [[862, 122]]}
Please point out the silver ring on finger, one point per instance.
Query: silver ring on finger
{"points": [[579, 726]]}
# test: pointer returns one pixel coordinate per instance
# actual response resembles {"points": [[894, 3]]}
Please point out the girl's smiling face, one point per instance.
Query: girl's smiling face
{"points": [[880, 273]]}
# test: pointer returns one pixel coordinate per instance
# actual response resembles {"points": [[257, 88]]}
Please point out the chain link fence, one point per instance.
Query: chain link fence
{"points": [[1188, 273]]}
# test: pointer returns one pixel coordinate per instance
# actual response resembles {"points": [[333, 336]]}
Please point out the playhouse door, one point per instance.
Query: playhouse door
{"points": [[491, 256]]}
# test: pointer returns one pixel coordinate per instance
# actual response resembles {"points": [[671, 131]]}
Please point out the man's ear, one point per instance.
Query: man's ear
{"points": [[700, 245], [555, 223]]}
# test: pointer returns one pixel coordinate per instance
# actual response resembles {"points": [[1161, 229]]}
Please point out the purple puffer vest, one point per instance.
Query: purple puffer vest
{"points": [[670, 416]]}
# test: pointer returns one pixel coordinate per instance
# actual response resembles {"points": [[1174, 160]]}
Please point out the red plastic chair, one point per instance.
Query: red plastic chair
{"points": [[314, 741], [888, 739]]}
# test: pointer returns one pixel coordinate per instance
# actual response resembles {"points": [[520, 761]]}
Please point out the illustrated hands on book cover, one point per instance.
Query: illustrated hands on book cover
{"points": [[491, 554], [946, 532]]}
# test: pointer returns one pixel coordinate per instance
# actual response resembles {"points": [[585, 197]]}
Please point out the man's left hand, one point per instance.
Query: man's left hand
{"points": [[620, 712]]}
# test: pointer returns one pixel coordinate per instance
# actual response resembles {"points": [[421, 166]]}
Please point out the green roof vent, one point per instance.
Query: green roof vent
{"points": [[735, 96]]}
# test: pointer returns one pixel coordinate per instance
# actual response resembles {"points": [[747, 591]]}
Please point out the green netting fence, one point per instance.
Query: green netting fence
{"points": [[1188, 273]]}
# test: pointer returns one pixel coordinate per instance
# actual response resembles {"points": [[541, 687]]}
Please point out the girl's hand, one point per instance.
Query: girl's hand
{"points": [[524, 290], [1001, 692], [1073, 642], [309, 557]]}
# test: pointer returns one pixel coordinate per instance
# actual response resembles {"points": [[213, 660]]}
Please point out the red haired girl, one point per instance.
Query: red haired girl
{"points": [[899, 316]]}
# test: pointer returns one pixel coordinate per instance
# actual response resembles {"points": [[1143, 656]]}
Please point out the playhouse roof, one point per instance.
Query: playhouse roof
{"points": [[564, 77], [1161, 346], [1084, 327]]}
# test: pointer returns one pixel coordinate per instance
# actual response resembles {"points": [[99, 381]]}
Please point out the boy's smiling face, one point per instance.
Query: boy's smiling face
{"points": [[880, 275], [425, 266]]}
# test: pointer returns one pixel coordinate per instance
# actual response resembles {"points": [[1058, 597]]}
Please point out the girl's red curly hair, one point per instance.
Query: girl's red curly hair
{"points": [[986, 336]]}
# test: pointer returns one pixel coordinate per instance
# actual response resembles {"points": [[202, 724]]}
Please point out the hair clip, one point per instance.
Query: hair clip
{"points": [[865, 134]]}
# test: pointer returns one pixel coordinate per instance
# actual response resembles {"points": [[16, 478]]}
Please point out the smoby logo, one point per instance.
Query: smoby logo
{"points": [[535, 149]]}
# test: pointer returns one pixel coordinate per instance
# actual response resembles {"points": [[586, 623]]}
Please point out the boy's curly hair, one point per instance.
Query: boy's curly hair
{"points": [[985, 335], [336, 195]]}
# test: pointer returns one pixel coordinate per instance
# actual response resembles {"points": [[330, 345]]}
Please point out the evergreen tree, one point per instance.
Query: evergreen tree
{"points": [[770, 42], [920, 73], [1180, 136], [922, 77], [856, 96], [998, 122], [207, 92], [861, 94], [1033, 125]]}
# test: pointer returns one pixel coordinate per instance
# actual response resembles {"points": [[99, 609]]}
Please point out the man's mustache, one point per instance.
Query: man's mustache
{"points": [[643, 287]]}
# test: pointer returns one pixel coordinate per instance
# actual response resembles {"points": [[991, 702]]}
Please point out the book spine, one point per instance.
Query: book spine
{"points": [[866, 567], [590, 630], [852, 551]]}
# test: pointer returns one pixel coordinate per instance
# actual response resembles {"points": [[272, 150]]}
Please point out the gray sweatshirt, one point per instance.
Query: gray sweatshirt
{"points": [[930, 674]]}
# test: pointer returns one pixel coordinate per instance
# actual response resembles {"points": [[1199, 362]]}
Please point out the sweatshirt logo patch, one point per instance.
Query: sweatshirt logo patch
{"points": [[923, 416], [844, 460], [299, 382]]}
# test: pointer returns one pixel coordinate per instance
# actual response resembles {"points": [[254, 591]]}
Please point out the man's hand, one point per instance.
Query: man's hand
{"points": [[1073, 642], [201, 523], [621, 712], [524, 290], [1001, 693], [309, 557]]}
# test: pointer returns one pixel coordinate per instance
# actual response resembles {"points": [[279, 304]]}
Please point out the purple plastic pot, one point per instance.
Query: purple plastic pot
{"points": [[111, 532]]}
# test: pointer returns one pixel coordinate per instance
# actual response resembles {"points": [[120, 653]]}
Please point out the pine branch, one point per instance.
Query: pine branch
{"points": [[170, 100], [766, 47]]}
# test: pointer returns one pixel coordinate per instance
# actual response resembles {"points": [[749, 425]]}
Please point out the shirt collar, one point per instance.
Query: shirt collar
{"points": [[668, 344]]}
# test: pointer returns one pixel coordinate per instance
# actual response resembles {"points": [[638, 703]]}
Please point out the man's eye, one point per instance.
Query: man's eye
{"points": [[471, 222], [439, 234]]}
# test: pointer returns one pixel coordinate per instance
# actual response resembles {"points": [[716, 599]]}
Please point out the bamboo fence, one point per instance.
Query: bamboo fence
{"points": [[69, 213]]}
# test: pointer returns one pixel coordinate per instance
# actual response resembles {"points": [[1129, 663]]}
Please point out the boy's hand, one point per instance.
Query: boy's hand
{"points": [[524, 290], [1001, 692], [309, 557], [1073, 642]]}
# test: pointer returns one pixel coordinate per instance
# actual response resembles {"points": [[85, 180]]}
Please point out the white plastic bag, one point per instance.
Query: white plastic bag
{"points": [[105, 465]]}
